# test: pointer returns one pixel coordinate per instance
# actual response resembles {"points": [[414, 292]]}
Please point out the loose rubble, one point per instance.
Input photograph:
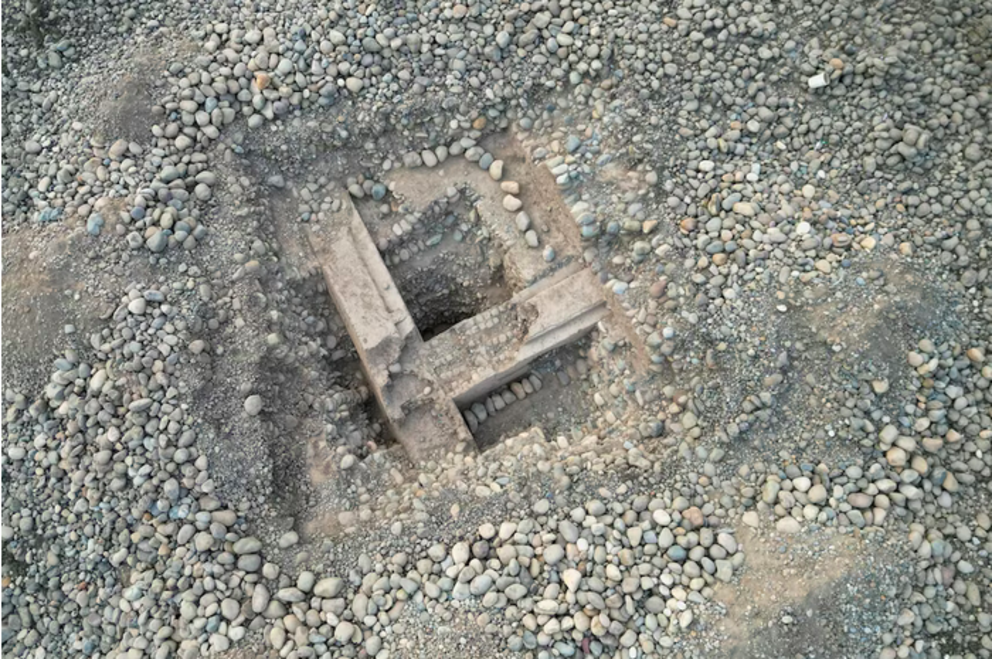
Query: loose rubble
{"points": [[788, 209]]}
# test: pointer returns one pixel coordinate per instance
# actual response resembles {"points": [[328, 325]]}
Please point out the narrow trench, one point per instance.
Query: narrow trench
{"points": [[556, 407]]}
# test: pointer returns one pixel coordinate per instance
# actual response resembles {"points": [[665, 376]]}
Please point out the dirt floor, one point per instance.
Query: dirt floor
{"points": [[795, 593], [54, 284]]}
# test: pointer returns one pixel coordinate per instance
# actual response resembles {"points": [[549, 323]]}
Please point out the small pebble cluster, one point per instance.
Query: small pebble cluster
{"points": [[478, 412]]}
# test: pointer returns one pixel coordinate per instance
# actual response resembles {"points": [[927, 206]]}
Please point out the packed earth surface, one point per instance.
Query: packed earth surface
{"points": [[772, 437]]}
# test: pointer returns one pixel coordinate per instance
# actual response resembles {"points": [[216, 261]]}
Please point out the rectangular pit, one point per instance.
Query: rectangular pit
{"points": [[442, 312]]}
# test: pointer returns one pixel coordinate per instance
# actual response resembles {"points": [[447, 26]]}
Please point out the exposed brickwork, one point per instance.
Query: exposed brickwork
{"points": [[417, 383]]}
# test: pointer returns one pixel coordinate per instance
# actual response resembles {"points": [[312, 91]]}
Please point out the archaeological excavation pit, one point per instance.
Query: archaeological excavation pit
{"points": [[444, 293], [447, 305], [445, 262]]}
